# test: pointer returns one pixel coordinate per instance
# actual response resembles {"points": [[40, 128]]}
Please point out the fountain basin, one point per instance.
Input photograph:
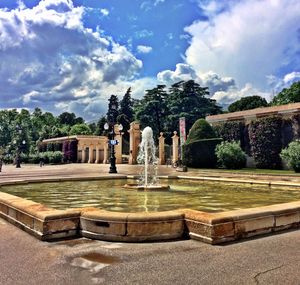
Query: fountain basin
{"points": [[147, 188], [214, 228]]}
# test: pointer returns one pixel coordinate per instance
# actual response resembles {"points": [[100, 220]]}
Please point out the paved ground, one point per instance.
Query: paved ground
{"points": [[25, 260]]}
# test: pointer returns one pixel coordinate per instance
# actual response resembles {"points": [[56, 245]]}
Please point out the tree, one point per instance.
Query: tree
{"points": [[100, 126], [152, 110], [80, 129], [288, 95], [248, 103], [126, 112], [188, 99], [67, 118], [113, 109]]}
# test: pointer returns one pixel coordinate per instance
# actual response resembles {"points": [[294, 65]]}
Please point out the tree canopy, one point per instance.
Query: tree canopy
{"points": [[288, 95], [248, 103]]}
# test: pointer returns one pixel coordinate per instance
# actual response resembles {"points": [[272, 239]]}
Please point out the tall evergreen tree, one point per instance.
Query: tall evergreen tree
{"points": [[152, 110], [100, 126], [188, 99], [126, 112], [113, 109]]}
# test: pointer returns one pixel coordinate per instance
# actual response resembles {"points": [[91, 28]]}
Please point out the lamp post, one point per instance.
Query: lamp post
{"points": [[112, 143]]}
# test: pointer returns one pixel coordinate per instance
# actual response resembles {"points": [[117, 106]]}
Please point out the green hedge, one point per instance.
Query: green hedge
{"points": [[201, 153], [265, 139]]}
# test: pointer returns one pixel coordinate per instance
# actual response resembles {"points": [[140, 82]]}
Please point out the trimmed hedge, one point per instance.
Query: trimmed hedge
{"points": [[265, 140], [201, 153], [201, 129]]}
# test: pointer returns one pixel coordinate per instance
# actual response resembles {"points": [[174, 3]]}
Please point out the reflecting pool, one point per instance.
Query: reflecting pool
{"points": [[111, 196]]}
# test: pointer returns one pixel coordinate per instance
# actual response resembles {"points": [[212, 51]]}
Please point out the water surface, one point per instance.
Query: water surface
{"points": [[109, 195]]}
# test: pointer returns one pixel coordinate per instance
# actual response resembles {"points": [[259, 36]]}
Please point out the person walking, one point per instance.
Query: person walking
{"points": [[1, 163]]}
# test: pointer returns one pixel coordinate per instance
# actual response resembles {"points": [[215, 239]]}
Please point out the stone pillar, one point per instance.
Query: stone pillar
{"points": [[175, 140], [161, 150], [105, 152], [118, 148], [79, 148], [97, 154], [83, 154], [134, 142], [91, 153]]}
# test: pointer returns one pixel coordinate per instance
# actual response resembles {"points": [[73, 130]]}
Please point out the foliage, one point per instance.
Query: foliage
{"points": [[188, 99], [73, 150], [100, 126], [70, 119], [265, 141], [234, 131], [292, 155], [230, 155], [288, 95], [80, 129], [248, 103], [201, 153], [126, 115], [296, 126], [152, 110], [113, 109], [201, 129]]}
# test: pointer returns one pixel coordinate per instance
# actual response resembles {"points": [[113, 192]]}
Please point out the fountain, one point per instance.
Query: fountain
{"points": [[148, 178]]}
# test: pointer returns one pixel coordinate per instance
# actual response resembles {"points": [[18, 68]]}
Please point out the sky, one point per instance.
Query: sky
{"points": [[64, 55]]}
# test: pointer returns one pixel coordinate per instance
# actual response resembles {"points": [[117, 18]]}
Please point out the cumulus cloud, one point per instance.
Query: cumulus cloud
{"points": [[186, 72], [246, 39], [225, 98], [143, 49], [49, 59], [104, 12]]}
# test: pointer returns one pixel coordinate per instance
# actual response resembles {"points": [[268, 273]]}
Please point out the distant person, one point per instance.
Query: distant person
{"points": [[1, 163], [42, 162]]}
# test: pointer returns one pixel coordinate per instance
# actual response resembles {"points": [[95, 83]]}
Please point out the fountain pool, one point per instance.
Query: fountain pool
{"points": [[111, 196]]}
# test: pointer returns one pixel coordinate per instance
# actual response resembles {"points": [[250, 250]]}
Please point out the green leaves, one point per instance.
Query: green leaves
{"points": [[292, 155]]}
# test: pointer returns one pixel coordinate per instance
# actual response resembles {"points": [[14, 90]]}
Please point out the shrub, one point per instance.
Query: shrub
{"points": [[34, 157], [201, 153], [201, 129], [292, 155], [230, 155], [265, 141], [55, 157]]}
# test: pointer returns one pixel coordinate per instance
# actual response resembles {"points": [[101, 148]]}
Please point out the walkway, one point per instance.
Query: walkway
{"points": [[25, 260]]}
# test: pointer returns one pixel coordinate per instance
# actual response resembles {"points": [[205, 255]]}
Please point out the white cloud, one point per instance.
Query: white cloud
{"points": [[49, 59], [186, 72], [158, 2], [247, 41], [225, 98], [143, 49], [104, 12]]}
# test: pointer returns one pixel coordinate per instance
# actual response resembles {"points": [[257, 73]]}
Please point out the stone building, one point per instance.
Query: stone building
{"points": [[247, 116]]}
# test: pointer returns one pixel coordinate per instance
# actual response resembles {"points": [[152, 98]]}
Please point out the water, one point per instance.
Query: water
{"points": [[111, 196], [148, 158]]}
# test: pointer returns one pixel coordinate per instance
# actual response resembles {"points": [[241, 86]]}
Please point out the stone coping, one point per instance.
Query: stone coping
{"points": [[214, 228]]}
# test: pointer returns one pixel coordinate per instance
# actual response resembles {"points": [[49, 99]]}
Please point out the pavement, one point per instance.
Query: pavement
{"points": [[272, 259]]}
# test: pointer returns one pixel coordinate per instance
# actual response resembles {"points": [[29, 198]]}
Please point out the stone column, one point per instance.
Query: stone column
{"points": [[175, 140], [79, 148], [134, 142], [118, 148], [97, 154], [161, 150], [105, 152], [91, 153], [83, 154]]}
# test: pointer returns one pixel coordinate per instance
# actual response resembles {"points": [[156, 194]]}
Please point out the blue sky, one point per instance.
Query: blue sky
{"points": [[64, 55]]}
